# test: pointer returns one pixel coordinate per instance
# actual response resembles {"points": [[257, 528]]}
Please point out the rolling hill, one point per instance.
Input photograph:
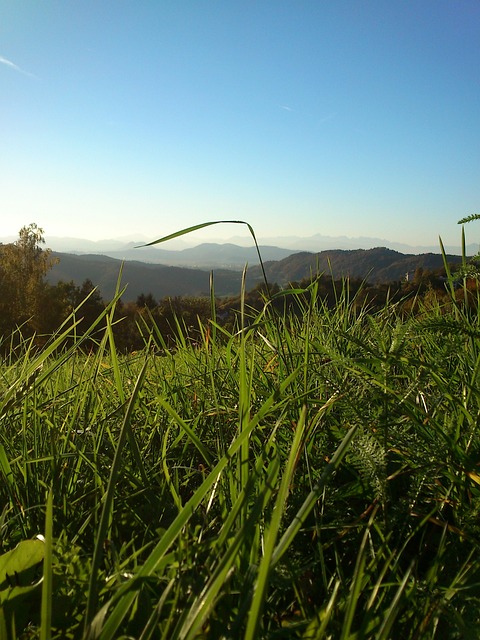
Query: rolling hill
{"points": [[379, 265], [140, 277], [374, 265]]}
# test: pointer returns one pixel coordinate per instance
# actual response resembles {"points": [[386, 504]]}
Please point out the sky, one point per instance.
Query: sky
{"points": [[340, 118]]}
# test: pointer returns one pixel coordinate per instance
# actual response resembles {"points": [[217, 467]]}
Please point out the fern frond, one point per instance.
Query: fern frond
{"points": [[474, 216], [369, 459]]}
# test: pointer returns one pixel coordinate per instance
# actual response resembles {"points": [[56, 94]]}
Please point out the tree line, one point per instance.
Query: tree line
{"points": [[32, 307]]}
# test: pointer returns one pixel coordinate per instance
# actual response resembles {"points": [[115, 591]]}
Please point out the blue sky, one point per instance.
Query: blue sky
{"points": [[356, 118]]}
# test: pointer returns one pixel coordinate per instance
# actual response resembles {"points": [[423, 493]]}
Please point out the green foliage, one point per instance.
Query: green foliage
{"points": [[474, 216], [20, 584], [309, 471], [23, 265], [470, 269]]}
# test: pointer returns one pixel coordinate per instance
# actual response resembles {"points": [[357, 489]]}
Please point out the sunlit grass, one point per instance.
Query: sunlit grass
{"points": [[308, 475]]}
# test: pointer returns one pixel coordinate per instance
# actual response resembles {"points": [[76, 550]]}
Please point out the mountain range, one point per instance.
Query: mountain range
{"points": [[207, 255], [374, 265], [233, 253]]}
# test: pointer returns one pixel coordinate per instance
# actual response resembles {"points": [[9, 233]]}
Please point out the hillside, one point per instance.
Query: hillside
{"points": [[375, 265], [379, 265], [141, 277]]}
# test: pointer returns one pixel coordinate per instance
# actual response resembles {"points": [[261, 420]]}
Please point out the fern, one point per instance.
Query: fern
{"points": [[473, 216], [368, 457]]}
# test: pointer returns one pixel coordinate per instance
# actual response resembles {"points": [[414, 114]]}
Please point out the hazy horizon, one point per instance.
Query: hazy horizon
{"points": [[313, 243]]}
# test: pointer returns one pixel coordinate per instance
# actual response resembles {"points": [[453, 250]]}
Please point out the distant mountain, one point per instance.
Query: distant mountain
{"points": [[374, 265], [187, 251], [319, 242], [204, 256], [378, 265], [102, 247]]}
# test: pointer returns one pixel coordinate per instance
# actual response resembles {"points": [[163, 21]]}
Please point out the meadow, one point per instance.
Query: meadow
{"points": [[309, 475]]}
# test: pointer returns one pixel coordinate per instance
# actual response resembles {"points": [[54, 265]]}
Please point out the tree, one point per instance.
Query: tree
{"points": [[146, 301], [23, 265], [92, 305]]}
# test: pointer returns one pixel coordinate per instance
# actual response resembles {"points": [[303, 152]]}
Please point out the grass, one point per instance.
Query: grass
{"points": [[302, 476]]}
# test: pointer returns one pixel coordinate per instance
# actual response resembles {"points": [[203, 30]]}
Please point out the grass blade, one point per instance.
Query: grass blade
{"points": [[312, 497], [108, 501], [127, 594], [46, 613], [261, 583]]}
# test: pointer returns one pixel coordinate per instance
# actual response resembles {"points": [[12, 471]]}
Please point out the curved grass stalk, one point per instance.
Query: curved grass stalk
{"points": [[203, 225]]}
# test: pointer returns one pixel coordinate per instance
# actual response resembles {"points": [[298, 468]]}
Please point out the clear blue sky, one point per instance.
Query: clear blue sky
{"points": [[355, 117]]}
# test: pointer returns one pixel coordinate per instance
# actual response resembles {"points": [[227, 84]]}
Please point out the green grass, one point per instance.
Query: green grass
{"points": [[306, 476]]}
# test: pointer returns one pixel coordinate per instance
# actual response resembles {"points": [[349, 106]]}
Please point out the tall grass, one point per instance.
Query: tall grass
{"points": [[308, 475]]}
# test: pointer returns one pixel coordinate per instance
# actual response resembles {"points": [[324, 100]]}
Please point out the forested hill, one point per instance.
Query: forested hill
{"points": [[378, 265], [141, 277]]}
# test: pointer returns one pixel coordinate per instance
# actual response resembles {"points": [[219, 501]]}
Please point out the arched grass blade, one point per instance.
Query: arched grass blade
{"points": [[203, 225]]}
